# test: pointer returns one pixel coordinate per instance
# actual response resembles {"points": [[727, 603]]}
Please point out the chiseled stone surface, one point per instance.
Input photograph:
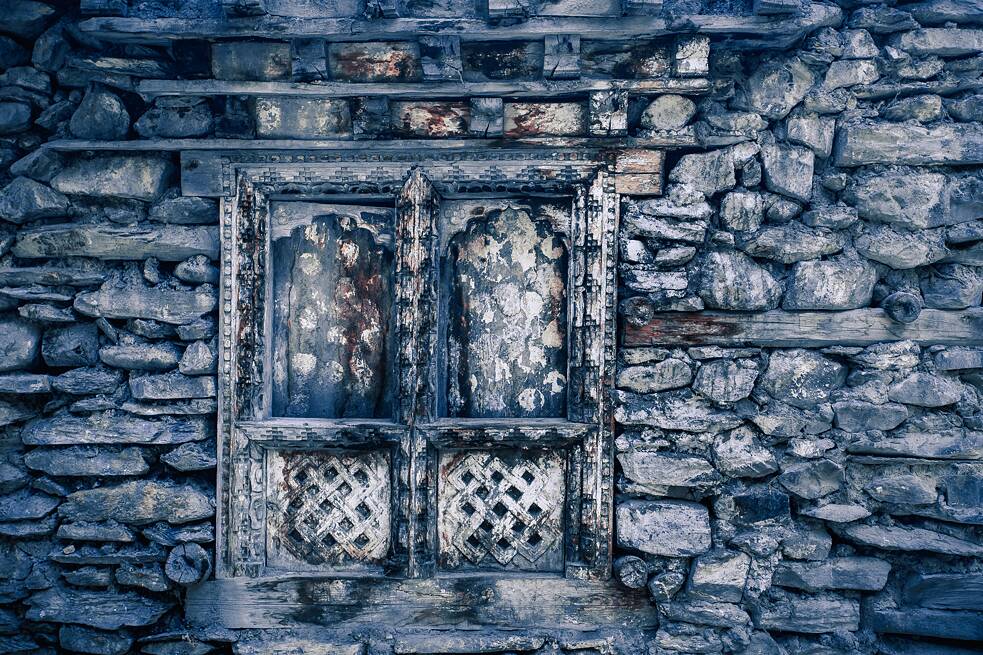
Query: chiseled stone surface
{"points": [[820, 157]]}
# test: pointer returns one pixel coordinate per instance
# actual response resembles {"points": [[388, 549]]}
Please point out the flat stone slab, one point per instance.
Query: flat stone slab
{"points": [[900, 143]]}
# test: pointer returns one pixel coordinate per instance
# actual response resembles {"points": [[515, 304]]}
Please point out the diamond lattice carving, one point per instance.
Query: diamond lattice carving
{"points": [[330, 508], [501, 510]]}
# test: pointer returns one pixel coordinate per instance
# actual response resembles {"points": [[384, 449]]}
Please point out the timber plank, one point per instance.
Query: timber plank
{"points": [[428, 90], [439, 603], [773, 31], [859, 327]]}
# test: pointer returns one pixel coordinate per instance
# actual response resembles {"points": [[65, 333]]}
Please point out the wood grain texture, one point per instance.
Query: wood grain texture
{"points": [[859, 327], [440, 603]]}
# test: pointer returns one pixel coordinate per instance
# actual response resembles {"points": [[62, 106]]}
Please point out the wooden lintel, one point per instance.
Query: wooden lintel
{"points": [[505, 601], [780, 329], [177, 145], [764, 31], [427, 90]]}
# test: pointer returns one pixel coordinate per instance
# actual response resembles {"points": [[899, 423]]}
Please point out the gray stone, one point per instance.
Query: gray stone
{"points": [[41, 165], [902, 490], [176, 117], [778, 85], [149, 576], [790, 243], [923, 108], [835, 217], [114, 428], [161, 356], [968, 110], [685, 638], [705, 612], [726, 381], [185, 210], [673, 528], [73, 345], [98, 609], [719, 576], [14, 117], [25, 200], [813, 132], [672, 412], [138, 177], [668, 374], [25, 504], [11, 412], [197, 270], [807, 614], [101, 116], [788, 170], [812, 480], [172, 386], [190, 457], [878, 142], [956, 358], [729, 280], [85, 461], [903, 198], [802, 378], [945, 42], [284, 117], [739, 454], [19, 340], [172, 306], [663, 586], [926, 390], [837, 512], [169, 535], [945, 591], [952, 444], [106, 531], [859, 44], [952, 286], [859, 416], [849, 73], [79, 639], [164, 242], [89, 380], [668, 112], [655, 473], [910, 539], [890, 356], [649, 281], [840, 283], [861, 573], [781, 421], [742, 210], [901, 250], [708, 172], [138, 503]]}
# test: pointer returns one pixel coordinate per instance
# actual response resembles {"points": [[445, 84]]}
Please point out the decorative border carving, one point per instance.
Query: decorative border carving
{"points": [[250, 180]]}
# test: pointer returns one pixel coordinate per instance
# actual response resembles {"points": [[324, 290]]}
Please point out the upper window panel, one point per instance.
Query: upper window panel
{"points": [[505, 269], [332, 301]]}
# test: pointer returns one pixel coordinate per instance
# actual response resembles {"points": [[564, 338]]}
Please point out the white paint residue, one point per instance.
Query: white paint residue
{"points": [[303, 363]]}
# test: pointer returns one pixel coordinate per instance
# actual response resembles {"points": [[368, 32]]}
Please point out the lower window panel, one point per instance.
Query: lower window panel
{"points": [[501, 509], [328, 510]]}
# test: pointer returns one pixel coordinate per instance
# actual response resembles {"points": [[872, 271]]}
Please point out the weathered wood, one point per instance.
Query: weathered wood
{"points": [[424, 90], [859, 327], [332, 297], [440, 603], [440, 57], [639, 171], [487, 117], [771, 32], [561, 56]]}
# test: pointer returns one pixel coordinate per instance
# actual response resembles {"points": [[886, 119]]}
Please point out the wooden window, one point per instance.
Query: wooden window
{"points": [[414, 370]]}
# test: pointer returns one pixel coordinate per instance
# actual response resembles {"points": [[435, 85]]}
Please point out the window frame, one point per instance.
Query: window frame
{"points": [[417, 180]]}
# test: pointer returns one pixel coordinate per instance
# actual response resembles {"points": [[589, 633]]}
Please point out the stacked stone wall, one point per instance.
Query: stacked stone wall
{"points": [[813, 495]]}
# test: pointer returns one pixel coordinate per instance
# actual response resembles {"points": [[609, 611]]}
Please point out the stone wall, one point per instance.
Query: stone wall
{"points": [[801, 494]]}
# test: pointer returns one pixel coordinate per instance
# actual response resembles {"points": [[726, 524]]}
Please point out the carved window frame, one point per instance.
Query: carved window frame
{"points": [[246, 435]]}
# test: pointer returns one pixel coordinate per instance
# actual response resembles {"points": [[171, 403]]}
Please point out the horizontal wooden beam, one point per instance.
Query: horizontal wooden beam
{"points": [[765, 31], [858, 327], [421, 90], [177, 145], [506, 601]]}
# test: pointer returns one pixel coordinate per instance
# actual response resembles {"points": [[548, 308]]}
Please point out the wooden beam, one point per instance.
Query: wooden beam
{"points": [[764, 31], [505, 601], [177, 145], [858, 327], [426, 90]]}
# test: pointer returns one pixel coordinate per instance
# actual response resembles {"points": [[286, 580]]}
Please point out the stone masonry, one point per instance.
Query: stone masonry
{"points": [[798, 397]]}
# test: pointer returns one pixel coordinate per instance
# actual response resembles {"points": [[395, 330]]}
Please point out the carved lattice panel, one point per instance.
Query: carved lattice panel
{"points": [[328, 509], [501, 510]]}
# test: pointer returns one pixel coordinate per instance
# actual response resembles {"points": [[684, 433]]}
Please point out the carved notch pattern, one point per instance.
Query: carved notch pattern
{"points": [[335, 508], [500, 507]]}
